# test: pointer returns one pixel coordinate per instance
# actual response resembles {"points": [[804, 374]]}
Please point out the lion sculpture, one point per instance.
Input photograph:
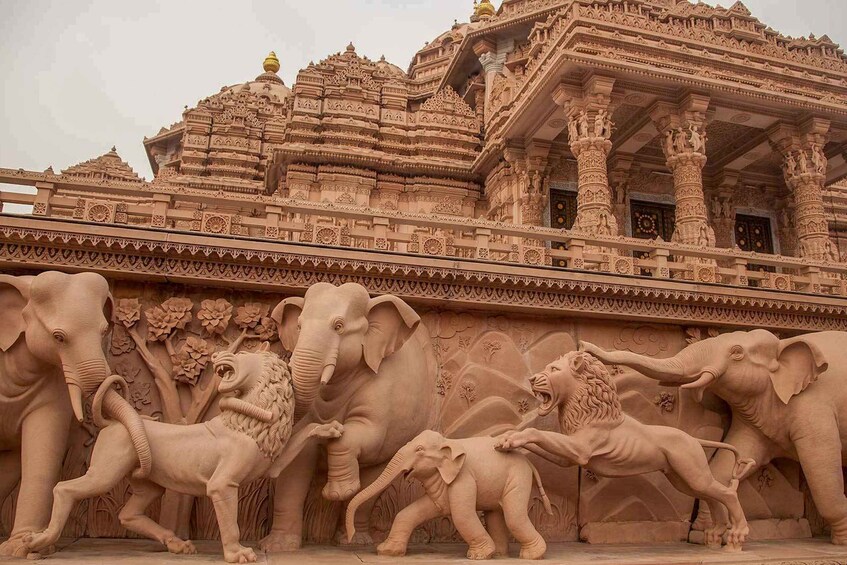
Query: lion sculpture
{"points": [[597, 435], [247, 441]]}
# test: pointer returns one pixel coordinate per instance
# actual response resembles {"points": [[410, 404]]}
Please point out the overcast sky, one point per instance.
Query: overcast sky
{"points": [[82, 75]]}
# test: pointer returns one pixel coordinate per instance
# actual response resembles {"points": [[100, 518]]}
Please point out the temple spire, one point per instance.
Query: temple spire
{"points": [[271, 63]]}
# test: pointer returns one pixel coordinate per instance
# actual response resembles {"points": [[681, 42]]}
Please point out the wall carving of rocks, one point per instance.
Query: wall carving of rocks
{"points": [[164, 336]]}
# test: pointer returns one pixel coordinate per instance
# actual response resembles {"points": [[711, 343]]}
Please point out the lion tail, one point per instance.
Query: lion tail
{"points": [[121, 411], [742, 464], [544, 499]]}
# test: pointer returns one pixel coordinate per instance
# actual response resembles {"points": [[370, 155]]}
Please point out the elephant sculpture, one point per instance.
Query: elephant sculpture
{"points": [[460, 477], [788, 399], [52, 329], [365, 362]]}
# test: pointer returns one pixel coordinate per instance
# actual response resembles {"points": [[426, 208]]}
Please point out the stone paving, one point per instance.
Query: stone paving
{"points": [[141, 552]]}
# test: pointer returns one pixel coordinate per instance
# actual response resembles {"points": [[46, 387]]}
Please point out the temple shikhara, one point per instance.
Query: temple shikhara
{"points": [[643, 175]]}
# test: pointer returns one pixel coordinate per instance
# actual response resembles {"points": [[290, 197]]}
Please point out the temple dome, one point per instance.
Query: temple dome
{"points": [[266, 84], [389, 70]]}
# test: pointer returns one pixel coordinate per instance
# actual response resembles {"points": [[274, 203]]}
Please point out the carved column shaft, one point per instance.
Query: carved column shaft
{"points": [[590, 144], [692, 222]]}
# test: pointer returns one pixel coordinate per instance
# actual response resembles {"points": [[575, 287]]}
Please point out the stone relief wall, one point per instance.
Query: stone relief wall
{"points": [[164, 337]]}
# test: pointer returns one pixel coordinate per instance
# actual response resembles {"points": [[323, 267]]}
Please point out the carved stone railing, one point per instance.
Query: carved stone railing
{"points": [[153, 205]]}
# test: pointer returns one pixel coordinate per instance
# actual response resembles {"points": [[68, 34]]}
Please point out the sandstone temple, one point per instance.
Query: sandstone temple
{"points": [[641, 174]]}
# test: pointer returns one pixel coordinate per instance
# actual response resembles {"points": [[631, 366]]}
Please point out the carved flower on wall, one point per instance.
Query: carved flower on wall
{"points": [[140, 396], [191, 360], [121, 341], [266, 330], [214, 315], [174, 313], [250, 315], [128, 311]]}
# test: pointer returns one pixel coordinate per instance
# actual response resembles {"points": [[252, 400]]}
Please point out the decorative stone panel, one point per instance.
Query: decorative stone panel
{"points": [[431, 245], [99, 211], [326, 235]]}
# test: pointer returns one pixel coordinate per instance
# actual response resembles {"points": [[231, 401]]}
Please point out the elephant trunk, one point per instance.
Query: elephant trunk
{"points": [[688, 365], [115, 406], [391, 471], [83, 379], [308, 372]]}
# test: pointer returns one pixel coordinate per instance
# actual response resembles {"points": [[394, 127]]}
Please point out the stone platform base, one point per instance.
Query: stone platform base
{"points": [[139, 552]]}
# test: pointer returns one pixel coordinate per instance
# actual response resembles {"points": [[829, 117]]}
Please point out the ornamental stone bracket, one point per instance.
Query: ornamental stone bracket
{"points": [[28, 244], [683, 127], [588, 111], [804, 167]]}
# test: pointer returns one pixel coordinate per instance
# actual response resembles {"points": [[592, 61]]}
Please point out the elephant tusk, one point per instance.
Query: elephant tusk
{"points": [[707, 378], [327, 374], [75, 393]]}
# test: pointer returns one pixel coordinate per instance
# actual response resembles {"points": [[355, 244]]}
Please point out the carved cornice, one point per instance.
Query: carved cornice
{"points": [[126, 253]]}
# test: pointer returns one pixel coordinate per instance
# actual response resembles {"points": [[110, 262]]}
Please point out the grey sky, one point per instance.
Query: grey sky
{"points": [[82, 75]]}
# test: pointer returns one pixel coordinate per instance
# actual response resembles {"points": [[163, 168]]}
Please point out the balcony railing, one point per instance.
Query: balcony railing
{"points": [[159, 206]]}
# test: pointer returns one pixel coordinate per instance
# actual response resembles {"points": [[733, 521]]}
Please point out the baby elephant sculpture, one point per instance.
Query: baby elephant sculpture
{"points": [[597, 435], [461, 477], [212, 458]]}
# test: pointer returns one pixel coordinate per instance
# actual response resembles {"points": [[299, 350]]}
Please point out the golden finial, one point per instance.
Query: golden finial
{"points": [[485, 9], [271, 63]]}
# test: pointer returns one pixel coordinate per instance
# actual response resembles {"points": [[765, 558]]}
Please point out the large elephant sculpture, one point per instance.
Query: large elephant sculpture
{"points": [[788, 399], [365, 362], [52, 329]]}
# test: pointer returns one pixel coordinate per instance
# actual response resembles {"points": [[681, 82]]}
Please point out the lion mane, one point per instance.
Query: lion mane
{"points": [[596, 399], [273, 392]]}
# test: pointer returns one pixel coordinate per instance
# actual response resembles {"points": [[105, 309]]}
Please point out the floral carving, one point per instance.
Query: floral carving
{"points": [[174, 313], [468, 391], [444, 382], [765, 478], [214, 315], [491, 347], [121, 343], [665, 401], [251, 315], [192, 359], [127, 311], [139, 396]]}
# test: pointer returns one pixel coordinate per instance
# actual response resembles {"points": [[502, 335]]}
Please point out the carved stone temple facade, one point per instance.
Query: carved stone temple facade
{"points": [[640, 174]]}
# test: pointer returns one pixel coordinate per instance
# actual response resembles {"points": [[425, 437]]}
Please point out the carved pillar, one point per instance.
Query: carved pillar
{"points": [[723, 209], [620, 177], [684, 144], [531, 188], [589, 133], [804, 166], [492, 63]]}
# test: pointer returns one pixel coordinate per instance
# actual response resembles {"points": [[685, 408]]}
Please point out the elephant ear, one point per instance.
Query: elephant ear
{"points": [[453, 458], [390, 323], [285, 315], [799, 364], [14, 295]]}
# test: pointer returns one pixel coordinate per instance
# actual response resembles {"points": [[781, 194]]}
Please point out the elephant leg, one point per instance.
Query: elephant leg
{"points": [[44, 440], [819, 452], [495, 523], [404, 525], [342, 458], [750, 443], [515, 508], [462, 496], [290, 492], [132, 517], [363, 514]]}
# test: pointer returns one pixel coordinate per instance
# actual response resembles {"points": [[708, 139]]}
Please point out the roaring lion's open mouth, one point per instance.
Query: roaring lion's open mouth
{"points": [[225, 370], [543, 392]]}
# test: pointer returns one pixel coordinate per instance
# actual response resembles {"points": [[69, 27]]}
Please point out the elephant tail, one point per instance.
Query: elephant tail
{"points": [[119, 410], [742, 464], [544, 499]]}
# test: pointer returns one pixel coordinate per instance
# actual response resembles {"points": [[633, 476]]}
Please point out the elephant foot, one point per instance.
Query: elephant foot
{"points": [[534, 550], [839, 532], [479, 552], [278, 542], [341, 490], [180, 547], [239, 554], [391, 548]]}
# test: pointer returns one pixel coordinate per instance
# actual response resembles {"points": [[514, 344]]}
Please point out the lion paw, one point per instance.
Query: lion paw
{"points": [[713, 536], [736, 536], [333, 430], [277, 542], [391, 548], [240, 555], [31, 545], [181, 547]]}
